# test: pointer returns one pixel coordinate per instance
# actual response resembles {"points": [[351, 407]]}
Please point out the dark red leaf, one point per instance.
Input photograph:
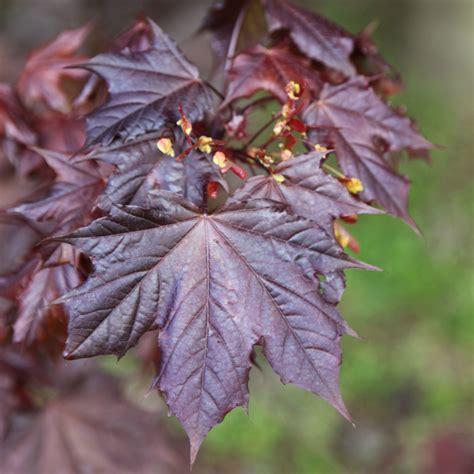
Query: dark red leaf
{"points": [[69, 201], [61, 134], [314, 35], [362, 128], [215, 285], [39, 319], [307, 190], [141, 167], [94, 434], [139, 37], [13, 118], [41, 82], [146, 88], [16, 369], [271, 70], [369, 62]]}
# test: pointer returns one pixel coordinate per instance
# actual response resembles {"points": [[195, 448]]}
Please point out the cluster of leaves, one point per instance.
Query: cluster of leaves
{"points": [[171, 248], [69, 417]]}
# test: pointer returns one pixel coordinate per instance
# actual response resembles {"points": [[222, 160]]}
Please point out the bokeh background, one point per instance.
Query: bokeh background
{"points": [[409, 383]]}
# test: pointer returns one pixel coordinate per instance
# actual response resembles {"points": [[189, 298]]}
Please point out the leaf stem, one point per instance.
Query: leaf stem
{"points": [[333, 171], [262, 129], [249, 160], [235, 38], [256, 103], [215, 90]]}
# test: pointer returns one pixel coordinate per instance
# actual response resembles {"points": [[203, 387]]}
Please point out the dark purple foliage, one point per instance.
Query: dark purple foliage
{"points": [[142, 232]]}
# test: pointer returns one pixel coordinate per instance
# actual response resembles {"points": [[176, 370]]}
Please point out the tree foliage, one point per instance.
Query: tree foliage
{"points": [[142, 230]]}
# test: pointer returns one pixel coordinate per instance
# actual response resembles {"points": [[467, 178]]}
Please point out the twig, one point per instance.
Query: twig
{"points": [[262, 129], [235, 37]]}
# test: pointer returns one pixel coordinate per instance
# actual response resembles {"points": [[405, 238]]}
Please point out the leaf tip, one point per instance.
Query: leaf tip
{"points": [[340, 406], [194, 450]]}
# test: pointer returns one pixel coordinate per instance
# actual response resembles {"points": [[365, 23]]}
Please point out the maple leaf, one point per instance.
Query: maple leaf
{"points": [[39, 319], [362, 128], [141, 167], [42, 79], [146, 88], [16, 368], [16, 131], [19, 132], [269, 69], [63, 134], [17, 238], [96, 433], [315, 36], [69, 201], [13, 118], [234, 24], [369, 62], [138, 37], [215, 285], [307, 190]]}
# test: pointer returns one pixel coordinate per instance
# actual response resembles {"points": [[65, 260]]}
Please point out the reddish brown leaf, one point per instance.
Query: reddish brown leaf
{"points": [[314, 35], [94, 434], [369, 62], [141, 167], [362, 129], [61, 134], [16, 133], [138, 37], [13, 122], [307, 190], [215, 286], [271, 70], [146, 88], [16, 370], [69, 201], [41, 83], [39, 319]]}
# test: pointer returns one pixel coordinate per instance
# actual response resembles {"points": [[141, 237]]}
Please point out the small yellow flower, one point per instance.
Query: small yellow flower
{"points": [[279, 178], [165, 145], [279, 127], [253, 152], [220, 159], [267, 160], [286, 111], [286, 154], [186, 125], [204, 144], [342, 236], [293, 90], [319, 148], [355, 186]]}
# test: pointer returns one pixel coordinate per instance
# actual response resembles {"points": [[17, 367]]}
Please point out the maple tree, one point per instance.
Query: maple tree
{"points": [[140, 229]]}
